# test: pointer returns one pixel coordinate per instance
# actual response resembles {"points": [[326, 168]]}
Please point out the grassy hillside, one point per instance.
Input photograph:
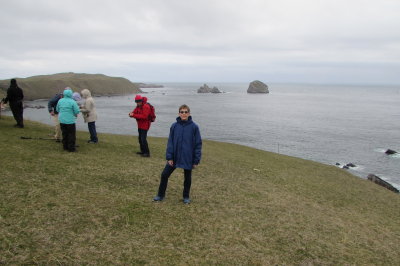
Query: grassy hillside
{"points": [[46, 86], [249, 207]]}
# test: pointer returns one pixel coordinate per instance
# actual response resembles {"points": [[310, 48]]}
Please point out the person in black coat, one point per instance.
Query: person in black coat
{"points": [[15, 97]]}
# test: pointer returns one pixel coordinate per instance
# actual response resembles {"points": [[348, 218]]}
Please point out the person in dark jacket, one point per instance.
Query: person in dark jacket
{"points": [[15, 97], [141, 114], [51, 106], [183, 151]]}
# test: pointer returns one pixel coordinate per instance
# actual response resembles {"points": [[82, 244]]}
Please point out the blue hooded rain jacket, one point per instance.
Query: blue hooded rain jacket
{"points": [[184, 144]]}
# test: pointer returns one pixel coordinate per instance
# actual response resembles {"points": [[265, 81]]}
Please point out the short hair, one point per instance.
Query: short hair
{"points": [[184, 106]]}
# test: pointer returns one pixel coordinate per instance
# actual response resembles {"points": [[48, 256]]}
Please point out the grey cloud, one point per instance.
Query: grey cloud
{"points": [[200, 38]]}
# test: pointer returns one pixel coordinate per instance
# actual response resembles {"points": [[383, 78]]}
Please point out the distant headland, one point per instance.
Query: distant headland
{"points": [[45, 86]]}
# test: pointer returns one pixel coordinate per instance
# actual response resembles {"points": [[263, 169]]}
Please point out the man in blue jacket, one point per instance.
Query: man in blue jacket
{"points": [[68, 110], [183, 151]]}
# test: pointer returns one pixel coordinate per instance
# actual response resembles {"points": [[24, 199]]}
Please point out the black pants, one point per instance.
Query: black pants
{"points": [[144, 146], [168, 170], [17, 109], [68, 136]]}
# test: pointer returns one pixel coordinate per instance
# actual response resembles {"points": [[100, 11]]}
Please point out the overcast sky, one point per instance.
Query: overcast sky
{"points": [[313, 41]]}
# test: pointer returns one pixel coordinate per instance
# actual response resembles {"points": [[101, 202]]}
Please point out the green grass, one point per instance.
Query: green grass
{"points": [[249, 207]]}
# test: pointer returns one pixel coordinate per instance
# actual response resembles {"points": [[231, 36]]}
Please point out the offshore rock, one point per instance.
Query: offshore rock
{"points": [[390, 152], [348, 166], [257, 87], [206, 89], [381, 182]]}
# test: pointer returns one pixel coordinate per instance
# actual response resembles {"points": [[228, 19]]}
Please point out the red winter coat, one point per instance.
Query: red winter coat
{"points": [[141, 114]]}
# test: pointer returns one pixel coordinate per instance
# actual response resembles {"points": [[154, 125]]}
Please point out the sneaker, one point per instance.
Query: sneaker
{"points": [[186, 200], [139, 152], [145, 155], [92, 142], [158, 198]]}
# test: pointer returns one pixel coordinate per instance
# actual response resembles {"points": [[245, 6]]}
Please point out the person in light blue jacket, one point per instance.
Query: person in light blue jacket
{"points": [[68, 110], [183, 151]]}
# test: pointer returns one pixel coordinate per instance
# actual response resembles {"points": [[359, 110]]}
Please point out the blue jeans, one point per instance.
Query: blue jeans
{"points": [[166, 173], [92, 131]]}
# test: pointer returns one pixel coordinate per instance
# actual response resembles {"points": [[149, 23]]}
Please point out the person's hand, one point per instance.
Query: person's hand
{"points": [[171, 162], [52, 113], [195, 165]]}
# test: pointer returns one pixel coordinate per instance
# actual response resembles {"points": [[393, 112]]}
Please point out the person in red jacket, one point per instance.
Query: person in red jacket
{"points": [[141, 114]]}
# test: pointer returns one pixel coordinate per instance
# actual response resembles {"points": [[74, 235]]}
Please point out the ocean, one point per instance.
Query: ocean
{"points": [[325, 123]]}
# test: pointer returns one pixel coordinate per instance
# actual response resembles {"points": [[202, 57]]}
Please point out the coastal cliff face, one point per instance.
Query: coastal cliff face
{"points": [[257, 87], [46, 86]]}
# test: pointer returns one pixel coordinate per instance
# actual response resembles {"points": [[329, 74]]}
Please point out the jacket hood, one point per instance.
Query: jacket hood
{"points": [[144, 100], [179, 120], [68, 92], [138, 98], [86, 93], [76, 96]]}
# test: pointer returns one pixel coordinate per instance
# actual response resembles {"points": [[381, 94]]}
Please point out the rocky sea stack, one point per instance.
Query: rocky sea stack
{"points": [[257, 87], [206, 89]]}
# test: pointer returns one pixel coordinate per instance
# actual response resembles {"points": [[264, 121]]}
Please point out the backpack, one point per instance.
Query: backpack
{"points": [[152, 115]]}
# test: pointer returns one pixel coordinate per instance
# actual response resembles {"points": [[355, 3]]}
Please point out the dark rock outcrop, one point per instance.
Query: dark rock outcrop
{"points": [[257, 87], [347, 166], [381, 182], [34, 106], [390, 152], [206, 89]]}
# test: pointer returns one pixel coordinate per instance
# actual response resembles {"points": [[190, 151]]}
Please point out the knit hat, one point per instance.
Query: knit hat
{"points": [[138, 98]]}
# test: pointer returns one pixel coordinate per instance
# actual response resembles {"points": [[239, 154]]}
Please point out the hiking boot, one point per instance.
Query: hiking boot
{"points": [[145, 155], [139, 152], [186, 200], [158, 198]]}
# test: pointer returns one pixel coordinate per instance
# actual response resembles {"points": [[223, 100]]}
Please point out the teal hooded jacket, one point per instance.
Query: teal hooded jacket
{"points": [[67, 108]]}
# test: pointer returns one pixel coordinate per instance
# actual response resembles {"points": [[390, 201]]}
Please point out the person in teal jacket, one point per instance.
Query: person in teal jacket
{"points": [[68, 110]]}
